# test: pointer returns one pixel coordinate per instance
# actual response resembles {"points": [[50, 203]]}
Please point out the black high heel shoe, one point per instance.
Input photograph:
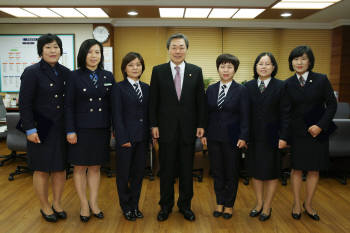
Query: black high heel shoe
{"points": [[49, 217], [312, 216], [84, 218], [263, 217], [255, 213], [99, 215], [62, 214], [296, 216]]}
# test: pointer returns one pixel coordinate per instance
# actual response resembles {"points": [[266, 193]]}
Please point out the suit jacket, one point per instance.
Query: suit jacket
{"points": [[314, 103], [167, 112], [130, 117], [86, 105], [231, 122], [41, 96], [269, 112]]}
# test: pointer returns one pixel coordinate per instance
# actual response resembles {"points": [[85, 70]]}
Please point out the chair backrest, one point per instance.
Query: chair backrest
{"points": [[198, 146], [16, 140], [343, 111], [2, 109], [339, 141]]}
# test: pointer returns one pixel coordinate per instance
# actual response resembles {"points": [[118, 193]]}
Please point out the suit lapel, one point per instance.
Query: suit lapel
{"points": [[309, 80], [187, 77], [169, 78], [48, 71], [230, 91], [296, 84], [268, 89]]}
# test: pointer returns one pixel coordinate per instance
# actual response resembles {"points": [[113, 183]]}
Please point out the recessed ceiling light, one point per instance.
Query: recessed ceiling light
{"points": [[303, 4], [18, 12], [286, 14], [197, 12], [68, 12], [171, 12], [133, 13], [222, 13], [93, 12], [248, 13], [42, 12]]}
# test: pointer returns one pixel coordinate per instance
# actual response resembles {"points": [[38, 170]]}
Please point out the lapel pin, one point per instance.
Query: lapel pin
{"points": [[310, 81], [104, 76], [190, 75]]}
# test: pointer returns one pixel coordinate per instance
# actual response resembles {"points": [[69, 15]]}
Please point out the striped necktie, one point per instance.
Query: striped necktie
{"points": [[262, 87], [301, 81], [94, 78], [221, 97], [138, 92]]}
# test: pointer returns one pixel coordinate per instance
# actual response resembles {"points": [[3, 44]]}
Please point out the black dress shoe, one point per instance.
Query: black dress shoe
{"points": [[188, 214], [263, 217], [138, 213], [217, 214], [84, 218], [62, 214], [49, 217], [296, 216], [227, 215], [129, 215], [163, 215], [99, 215], [313, 216], [255, 213]]}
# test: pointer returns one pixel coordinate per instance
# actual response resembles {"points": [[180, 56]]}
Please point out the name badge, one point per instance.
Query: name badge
{"points": [[107, 84]]}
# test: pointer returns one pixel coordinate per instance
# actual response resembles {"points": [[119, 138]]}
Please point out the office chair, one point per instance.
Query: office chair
{"points": [[198, 172], [16, 141], [343, 111]]}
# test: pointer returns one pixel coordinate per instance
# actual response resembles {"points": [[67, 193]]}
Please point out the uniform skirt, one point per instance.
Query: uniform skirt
{"points": [[310, 154], [50, 154], [263, 161], [92, 147]]}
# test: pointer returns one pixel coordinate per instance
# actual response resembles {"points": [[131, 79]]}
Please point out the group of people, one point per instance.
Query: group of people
{"points": [[69, 117]]}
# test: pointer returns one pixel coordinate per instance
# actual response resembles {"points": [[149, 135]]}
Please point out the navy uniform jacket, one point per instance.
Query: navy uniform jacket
{"points": [[130, 117], [269, 112], [313, 104], [167, 112], [231, 122], [41, 94], [86, 105]]}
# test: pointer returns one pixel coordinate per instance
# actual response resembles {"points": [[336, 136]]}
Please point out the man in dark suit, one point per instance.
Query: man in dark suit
{"points": [[177, 116]]}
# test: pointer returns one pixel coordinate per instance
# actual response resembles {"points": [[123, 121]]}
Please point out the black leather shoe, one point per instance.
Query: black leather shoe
{"points": [[163, 215], [99, 215], [188, 214], [263, 217], [217, 214], [312, 216], [138, 213], [227, 215], [49, 217], [129, 216], [62, 214], [255, 213], [296, 216]]}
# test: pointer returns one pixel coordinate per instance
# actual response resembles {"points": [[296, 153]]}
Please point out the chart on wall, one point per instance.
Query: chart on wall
{"points": [[19, 51]]}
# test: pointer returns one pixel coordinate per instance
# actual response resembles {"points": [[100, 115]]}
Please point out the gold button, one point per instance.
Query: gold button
{"points": [[100, 109], [104, 76], [56, 96], [90, 99], [84, 89], [64, 82], [51, 84], [63, 95], [58, 107], [100, 99], [91, 109]]}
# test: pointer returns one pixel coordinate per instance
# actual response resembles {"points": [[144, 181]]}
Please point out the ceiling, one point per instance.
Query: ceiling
{"points": [[333, 16]]}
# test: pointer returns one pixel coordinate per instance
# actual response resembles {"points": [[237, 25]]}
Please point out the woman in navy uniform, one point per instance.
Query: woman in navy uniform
{"points": [[227, 132], [41, 105], [130, 121], [269, 117], [313, 106], [88, 122]]}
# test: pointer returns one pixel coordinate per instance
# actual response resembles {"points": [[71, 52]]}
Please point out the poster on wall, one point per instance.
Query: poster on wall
{"points": [[19, 51], [108, 58]]}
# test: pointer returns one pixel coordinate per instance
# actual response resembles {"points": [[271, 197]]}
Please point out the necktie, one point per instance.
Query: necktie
{"points": [[94, 78], [301, 81], [138, 92], [262, 87], [177, 82], [221, 97]]}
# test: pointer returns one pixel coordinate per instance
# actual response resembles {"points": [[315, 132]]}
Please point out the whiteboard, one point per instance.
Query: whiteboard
{"points": [[19, 51]]}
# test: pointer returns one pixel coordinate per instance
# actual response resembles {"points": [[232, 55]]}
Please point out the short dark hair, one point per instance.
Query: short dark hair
{"points": [[84, 50], [128, 58], [46, 39], [177, 36], [298, 52], [227, 58], [273, 61]]}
